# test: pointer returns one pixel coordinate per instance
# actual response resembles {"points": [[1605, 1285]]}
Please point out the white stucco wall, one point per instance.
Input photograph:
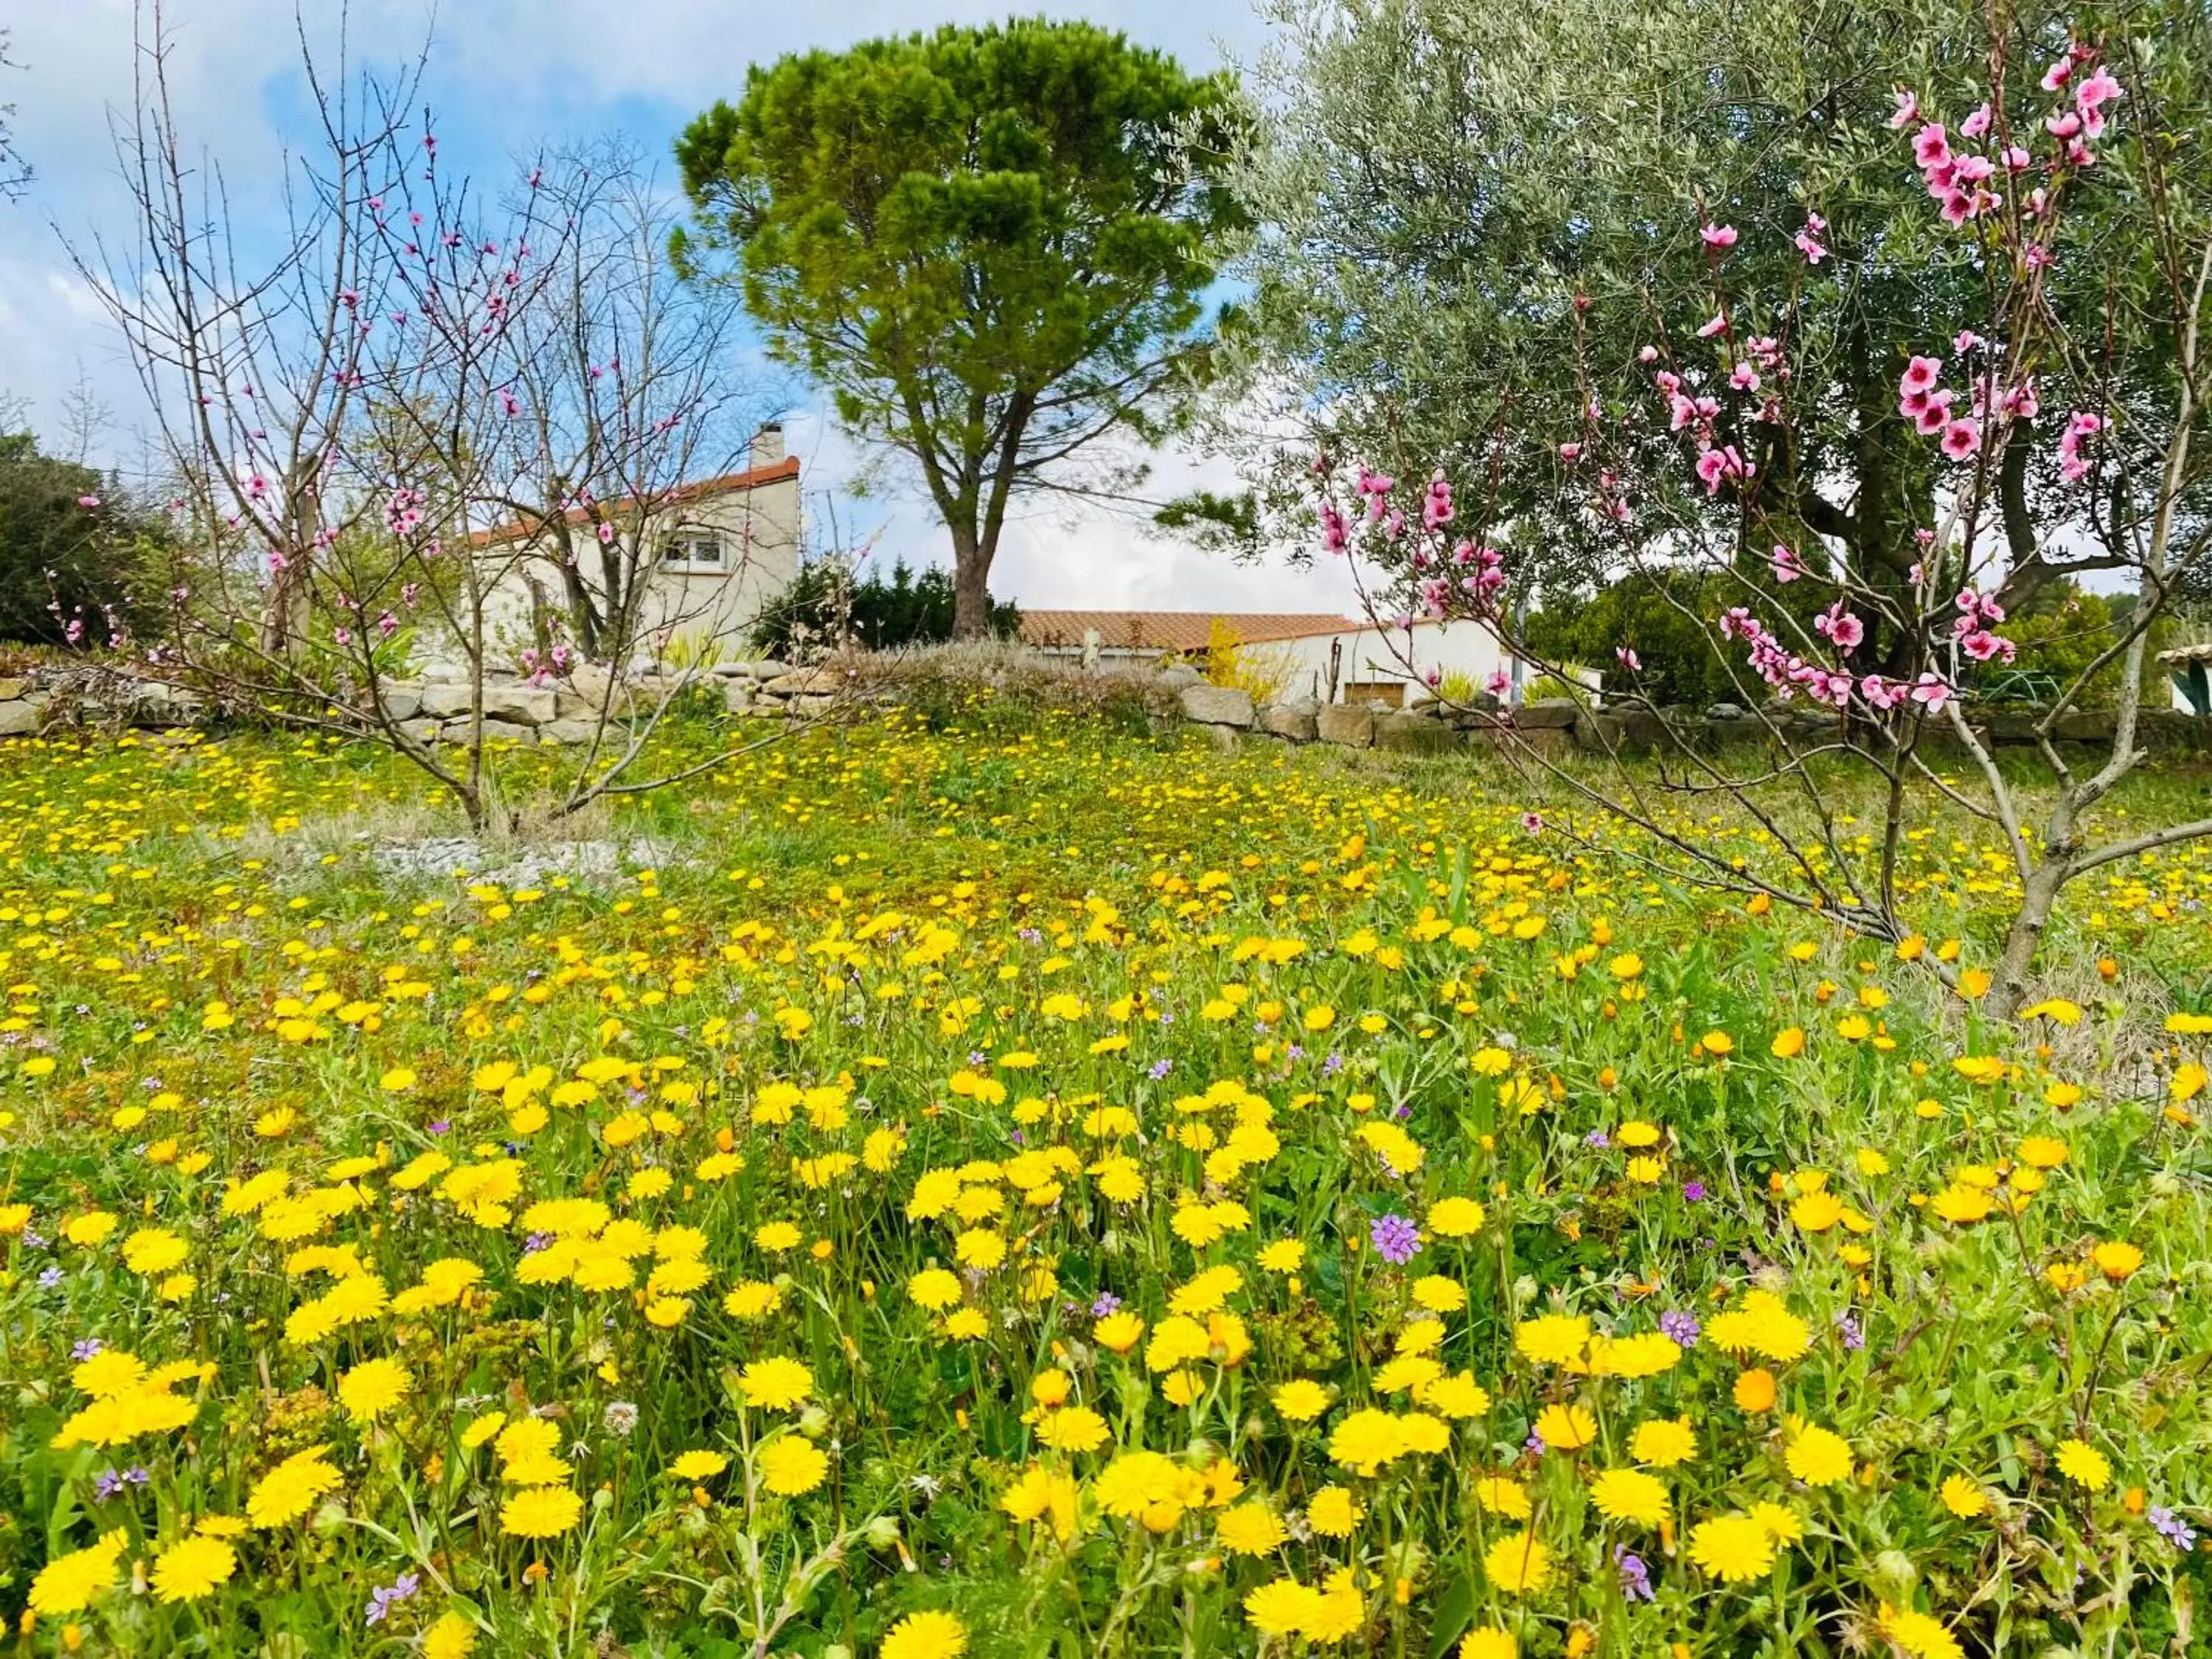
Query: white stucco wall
{"points": [[1372, 654], [703, 608]]}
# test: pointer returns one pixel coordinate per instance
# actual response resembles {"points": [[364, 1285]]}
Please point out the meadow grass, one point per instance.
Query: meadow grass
{"points": [[1003, 1183]]}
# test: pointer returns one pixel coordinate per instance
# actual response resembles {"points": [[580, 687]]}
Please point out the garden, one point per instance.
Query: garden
{"points": [[978, 1183]]}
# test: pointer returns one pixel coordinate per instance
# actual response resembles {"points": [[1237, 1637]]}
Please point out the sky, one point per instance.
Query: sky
{"points": [[505, 78]]}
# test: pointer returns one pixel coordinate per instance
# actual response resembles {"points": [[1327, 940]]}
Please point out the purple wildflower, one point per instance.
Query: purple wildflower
{"points": [[1635, 1576], [1679, 1328], [1107, 1303], [1598, 1139], [1332, 1064], [1853, 1333], [49, 1276], [86, 1349], [384, 1597], [1694, 1191], [1295, 1052], [1158, 1069], [1396, 1240], [1533, 1444], [2173, 1528]]}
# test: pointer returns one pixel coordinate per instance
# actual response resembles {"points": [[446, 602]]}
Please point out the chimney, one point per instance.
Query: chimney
{"points": [[767, 444]]}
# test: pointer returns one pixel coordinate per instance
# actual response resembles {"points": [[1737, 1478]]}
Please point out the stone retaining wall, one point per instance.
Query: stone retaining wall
{"points": [[566, 713], [1560, 726]]}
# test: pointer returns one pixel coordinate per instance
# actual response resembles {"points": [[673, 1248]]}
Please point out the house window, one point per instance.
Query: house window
{"points": [[694, 547]]}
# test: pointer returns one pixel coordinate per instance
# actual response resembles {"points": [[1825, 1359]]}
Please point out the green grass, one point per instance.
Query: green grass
{"points": [[1072, 1011]]}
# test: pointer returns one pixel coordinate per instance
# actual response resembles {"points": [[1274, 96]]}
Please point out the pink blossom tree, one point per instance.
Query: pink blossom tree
{"points": [[2044, 461], [403, 406]]}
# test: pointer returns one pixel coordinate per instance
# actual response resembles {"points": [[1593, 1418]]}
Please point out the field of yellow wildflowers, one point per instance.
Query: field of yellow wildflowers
{"points": [[1026, 1190]]}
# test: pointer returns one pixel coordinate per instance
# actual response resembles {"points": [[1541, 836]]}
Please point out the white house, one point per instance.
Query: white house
{"points": [[1330, 659], [716, 554]]}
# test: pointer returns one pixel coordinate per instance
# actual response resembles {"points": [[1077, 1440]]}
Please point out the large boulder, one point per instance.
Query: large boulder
{"points": [[402, 702], [806, 683], [566, 732], [1414, 734], [513, 705], [1176, 676], [1598, 733], [1546, 713], [1217, 705], [1298, 721], [2086, 725], [20, 717], [518, 705], [736, 697], [1352, 727]]}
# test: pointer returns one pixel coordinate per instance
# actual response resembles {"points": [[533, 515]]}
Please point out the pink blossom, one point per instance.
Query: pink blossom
{"points": [[1719, 235], [1810, 247], [1714, 464], [2017, 160], [1335, 532], [1498, 683], [2083, 424], [1935, 415], [2093, 93], [2064, 125], [1788, 567], [2057, 75], [1977, 125], [1629, 659], [1713, 325], [1962, 438], [1881, 693], [606, 535], [89, 503], [1931, 146], [1908, 109], [1533, 823], [1571, 452], [1982, 645], [1648, 354], [1437, 502], [1842, 629], [1931, 692], [1921, 374], [1744, 377]]}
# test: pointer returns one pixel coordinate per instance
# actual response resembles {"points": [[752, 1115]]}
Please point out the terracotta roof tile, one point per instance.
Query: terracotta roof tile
{"points": [[750, 478]]}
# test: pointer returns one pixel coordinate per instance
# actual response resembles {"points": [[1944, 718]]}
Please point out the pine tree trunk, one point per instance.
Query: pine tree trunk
{"points": [[971, 587]]}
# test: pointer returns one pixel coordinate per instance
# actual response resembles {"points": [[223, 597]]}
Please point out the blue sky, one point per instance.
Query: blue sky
{"points": [[507, 76]]}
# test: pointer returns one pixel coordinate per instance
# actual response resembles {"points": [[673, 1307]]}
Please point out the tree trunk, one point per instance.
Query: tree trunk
{"points": [[284, 611], [2008, 989], [971, 587]]}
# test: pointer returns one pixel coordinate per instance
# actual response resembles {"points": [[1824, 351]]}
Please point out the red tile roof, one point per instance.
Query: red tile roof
{"points": [[751, 478], [1173, 630]]}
